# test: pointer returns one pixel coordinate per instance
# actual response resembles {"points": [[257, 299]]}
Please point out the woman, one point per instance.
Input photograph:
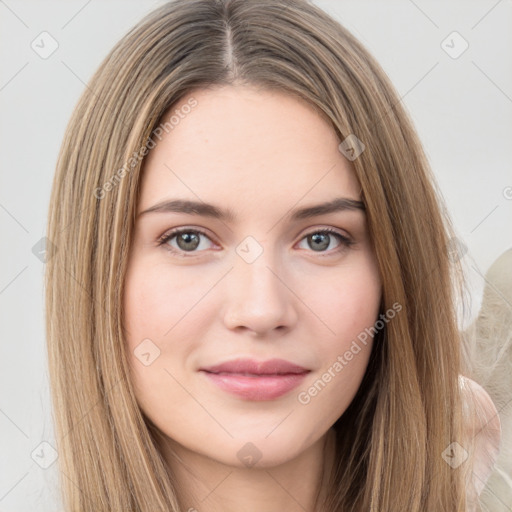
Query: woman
{"points": [[254, 276]]}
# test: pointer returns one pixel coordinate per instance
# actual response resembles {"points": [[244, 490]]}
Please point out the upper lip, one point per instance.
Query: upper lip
{"points": [[253, 367]]}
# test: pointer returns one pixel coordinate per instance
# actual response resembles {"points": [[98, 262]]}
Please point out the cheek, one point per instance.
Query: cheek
{"points": [[150, 311], [143, 297], [163, 319], [347, 300], [156, 302], [348, 305], [358, 301]]}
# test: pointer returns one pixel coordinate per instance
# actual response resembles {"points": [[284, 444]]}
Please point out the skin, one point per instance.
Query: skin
{"points": [[260, 154]]}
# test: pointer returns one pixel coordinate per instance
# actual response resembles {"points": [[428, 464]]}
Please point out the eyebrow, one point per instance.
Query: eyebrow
{"points": [[216, 212]]}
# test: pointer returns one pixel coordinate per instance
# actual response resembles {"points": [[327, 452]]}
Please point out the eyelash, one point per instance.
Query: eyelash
{"points": [[345, 241]]}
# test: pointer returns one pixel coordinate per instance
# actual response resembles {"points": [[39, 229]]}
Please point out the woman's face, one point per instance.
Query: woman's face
{"points": [[253, 276]]}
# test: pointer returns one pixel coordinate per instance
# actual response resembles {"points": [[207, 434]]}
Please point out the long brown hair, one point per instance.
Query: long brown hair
{"points": [[407, 411]]}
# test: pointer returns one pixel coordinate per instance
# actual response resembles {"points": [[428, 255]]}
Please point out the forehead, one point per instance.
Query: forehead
{"points": [[246, 147]]}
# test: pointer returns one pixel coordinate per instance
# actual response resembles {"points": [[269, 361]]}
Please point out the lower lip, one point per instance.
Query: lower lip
{"points": [[258, 388]]}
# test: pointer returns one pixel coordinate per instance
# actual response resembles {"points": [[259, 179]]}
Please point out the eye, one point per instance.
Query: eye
{"points": [[320, 240], [187, 240]]}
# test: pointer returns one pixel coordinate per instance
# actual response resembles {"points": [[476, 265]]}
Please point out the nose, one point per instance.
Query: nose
{"points": [[259, 298]]}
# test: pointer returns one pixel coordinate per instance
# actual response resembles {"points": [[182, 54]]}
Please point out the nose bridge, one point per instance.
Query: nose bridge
{"points": [[256, 266]]}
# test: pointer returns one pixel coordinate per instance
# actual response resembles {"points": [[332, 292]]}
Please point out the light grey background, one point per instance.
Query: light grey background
{"points": [[462, 108]]}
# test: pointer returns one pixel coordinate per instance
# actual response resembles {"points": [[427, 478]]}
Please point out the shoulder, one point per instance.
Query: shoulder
{"points": [[482, 430]]}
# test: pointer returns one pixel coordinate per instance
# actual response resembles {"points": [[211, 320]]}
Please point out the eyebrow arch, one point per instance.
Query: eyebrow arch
{"points": [[209, 210]]}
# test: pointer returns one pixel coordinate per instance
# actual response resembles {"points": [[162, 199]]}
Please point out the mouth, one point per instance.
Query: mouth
{"points": [[256, 381]]}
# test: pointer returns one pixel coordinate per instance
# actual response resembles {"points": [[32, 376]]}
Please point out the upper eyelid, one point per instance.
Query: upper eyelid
{"points": [[184, 229]]}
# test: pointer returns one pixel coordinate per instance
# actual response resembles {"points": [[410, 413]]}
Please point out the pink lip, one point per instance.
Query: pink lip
{"points": [[255, 380]]}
